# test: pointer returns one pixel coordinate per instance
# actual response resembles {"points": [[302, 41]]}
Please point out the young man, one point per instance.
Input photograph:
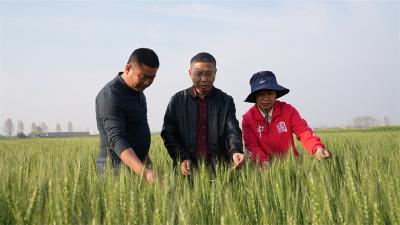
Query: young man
{"points": [[121, 115], [200, 122]]}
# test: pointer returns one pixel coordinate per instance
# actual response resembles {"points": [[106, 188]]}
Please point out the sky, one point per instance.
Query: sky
{"points": [[340, 59]]}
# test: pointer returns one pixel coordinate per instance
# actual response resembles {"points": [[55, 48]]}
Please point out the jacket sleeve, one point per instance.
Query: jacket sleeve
{"points": [[304, 133], [114, 126], [251, 144], [232, 129], [170, 134]]}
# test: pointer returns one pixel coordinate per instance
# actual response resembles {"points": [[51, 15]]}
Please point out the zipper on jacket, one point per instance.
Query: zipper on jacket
{"points": [[266, 120]]}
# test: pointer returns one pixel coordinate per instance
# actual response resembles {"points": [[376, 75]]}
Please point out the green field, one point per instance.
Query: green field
{"points": [[54, 181]]}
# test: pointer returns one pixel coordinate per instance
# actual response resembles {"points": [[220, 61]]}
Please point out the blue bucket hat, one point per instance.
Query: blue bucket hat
{"points": [[265, 80]]}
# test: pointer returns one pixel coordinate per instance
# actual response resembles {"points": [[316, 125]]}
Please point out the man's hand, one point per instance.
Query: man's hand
{"points": [[149, 175], [238, 159], [129, 157], [321, 153], [185, 167]]}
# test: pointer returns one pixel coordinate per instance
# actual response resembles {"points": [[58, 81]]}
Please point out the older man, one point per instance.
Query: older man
{"points": [[200, 122], [121, 114]]}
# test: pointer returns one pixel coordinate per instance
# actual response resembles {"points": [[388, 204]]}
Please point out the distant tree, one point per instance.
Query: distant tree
{"points": [[58, 128], [70, 127], [365, 122], [39, 130], [386, 121], [44, 127], [21, 135], [34, 131], [20, 127], [8, 127]]}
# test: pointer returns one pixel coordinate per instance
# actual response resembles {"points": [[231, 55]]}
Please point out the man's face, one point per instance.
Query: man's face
{"points": [[203, 76], [140, 76], [265, 100]]}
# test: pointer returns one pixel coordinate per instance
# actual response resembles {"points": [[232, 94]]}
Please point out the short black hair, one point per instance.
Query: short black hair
{"points": [[203, 57], [144, 56]]}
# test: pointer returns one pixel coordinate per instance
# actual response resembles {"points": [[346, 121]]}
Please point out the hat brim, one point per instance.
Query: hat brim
{"points": [[280, 91]]}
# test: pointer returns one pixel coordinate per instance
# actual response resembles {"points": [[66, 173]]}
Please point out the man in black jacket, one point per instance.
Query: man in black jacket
{"points": [[121, 114], [200, 122]]}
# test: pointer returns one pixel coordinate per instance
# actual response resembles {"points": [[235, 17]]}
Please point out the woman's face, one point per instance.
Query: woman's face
{"points": [[265, 100]]}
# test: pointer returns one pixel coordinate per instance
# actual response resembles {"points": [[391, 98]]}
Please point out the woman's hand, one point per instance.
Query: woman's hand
{"points": [[322, 153]]}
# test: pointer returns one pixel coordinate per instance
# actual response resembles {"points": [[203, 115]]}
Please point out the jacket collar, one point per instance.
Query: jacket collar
{"points": [[193, 93], [125, 86], [259, 117]]}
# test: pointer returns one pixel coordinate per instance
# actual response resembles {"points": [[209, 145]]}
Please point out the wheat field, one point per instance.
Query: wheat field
{"points": [[54, 181]]}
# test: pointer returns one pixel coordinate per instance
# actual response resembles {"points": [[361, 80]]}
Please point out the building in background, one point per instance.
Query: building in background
{"points": [[63, 134]]}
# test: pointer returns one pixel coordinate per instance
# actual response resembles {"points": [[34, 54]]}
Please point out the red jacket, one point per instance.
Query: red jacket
{"points": [[264, 141]]}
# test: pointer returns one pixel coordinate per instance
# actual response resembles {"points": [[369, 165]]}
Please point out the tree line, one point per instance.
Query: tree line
{"points": [[36, 129], [369, 121]]}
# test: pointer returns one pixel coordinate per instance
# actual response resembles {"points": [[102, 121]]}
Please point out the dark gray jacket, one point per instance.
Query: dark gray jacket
{"points": [[179, 130], [121, 115]]}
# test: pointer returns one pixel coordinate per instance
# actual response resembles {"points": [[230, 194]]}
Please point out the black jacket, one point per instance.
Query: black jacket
{"points": [[179, 130]]}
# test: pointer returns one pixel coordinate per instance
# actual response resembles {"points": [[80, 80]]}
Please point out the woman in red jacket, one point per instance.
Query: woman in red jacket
{"points": [[268, 125]]}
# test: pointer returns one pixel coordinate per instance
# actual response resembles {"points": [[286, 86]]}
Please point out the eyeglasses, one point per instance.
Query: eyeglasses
{"points": [[204, 73], [144, 77]]}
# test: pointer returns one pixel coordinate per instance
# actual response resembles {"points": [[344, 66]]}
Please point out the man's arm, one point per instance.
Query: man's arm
{"points": [[129, 157], [234, 136], [114, 126], [232, 130], [170, 134]]}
